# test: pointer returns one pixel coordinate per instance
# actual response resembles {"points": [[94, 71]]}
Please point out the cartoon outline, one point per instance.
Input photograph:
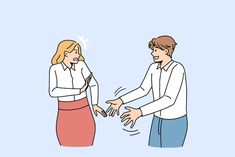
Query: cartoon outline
{"points": [[69, 78], [170, 97]]}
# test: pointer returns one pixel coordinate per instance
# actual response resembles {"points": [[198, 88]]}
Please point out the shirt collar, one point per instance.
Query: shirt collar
{"points": [[166, 67], [65, 67]]}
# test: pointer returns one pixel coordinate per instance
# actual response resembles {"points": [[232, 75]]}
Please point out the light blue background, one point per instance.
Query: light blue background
{"points": [[118, 33]]}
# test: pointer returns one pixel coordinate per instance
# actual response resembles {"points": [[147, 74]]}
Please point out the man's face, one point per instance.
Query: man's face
{"points": [[158, 55]]}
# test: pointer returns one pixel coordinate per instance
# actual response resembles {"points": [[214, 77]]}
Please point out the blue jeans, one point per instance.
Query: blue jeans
{"points": [[168, 132]]}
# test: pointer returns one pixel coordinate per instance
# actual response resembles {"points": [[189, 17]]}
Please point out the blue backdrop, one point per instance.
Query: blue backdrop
{"points": [[118, 33]]}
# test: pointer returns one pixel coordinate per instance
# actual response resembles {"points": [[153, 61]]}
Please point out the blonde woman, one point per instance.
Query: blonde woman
{"points": [[69, 78]]}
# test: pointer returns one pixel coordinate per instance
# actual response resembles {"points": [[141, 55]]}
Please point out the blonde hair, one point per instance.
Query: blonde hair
{"points": [[68, 46]]}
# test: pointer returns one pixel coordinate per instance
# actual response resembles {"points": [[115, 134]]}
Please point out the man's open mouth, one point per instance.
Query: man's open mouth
{"points": [[155, 58]]}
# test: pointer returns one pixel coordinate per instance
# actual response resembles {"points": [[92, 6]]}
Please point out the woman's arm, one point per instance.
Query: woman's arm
{"points": [[55, 91], [94, 87]]}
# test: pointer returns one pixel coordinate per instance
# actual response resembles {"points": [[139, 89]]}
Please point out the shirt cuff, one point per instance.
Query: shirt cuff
{"points": [[94, 103], [123, 99], [143, 111], [79, 91]]}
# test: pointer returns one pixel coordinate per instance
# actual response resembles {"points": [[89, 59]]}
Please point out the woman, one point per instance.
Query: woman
{"points": [[69, 79]]}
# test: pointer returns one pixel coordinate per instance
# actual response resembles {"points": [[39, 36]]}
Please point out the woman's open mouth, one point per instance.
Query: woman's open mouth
{"points": [[75, 59]]}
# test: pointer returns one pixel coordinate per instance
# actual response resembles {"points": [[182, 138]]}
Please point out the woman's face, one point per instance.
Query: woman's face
{"points": [[73, 56]]}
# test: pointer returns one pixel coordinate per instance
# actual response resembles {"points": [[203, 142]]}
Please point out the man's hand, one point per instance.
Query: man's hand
{"points": [[114, 106], [131, 116], [98, 109]]}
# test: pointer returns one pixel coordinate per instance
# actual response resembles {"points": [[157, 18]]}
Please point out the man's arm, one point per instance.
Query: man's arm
{"points": [[172, 90], [141, 91], [133, 95]]}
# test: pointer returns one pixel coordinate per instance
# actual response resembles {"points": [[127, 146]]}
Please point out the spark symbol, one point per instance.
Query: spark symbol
{"points": [[83, 41]]}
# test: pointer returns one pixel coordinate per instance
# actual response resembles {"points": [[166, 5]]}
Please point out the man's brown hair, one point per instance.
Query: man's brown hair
{"points": [[163, 42]]}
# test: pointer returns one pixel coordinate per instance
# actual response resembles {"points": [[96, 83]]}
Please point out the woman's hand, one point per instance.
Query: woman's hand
{"points": [[87, 81], [98, 109]]}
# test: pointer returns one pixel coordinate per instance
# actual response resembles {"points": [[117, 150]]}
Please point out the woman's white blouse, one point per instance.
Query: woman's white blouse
{"points": [[66, 83]]}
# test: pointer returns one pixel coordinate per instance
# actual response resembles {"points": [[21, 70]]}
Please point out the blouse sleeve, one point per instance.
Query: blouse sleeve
{"points": [[56, 91], [94, 87]]}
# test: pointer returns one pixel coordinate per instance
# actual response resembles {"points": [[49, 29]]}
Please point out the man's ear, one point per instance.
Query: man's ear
{"points": [[166, 51]]}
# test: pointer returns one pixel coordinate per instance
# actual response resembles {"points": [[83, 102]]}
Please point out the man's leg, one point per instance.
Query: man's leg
{"points": [[174, 131], [154, 136]]}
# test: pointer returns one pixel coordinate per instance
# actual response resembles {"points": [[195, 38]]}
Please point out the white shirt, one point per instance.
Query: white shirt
{"points": [[66, 83], [169, 91]]}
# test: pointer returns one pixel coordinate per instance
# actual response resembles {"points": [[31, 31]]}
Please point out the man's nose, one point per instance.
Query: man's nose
{"points": [[152, 53]]}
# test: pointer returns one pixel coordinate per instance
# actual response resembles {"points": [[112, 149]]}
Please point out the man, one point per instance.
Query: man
{"points": [[167, 80]]}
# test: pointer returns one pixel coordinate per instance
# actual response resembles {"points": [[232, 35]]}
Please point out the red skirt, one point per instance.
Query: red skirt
{"points": [[75, 126]]}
